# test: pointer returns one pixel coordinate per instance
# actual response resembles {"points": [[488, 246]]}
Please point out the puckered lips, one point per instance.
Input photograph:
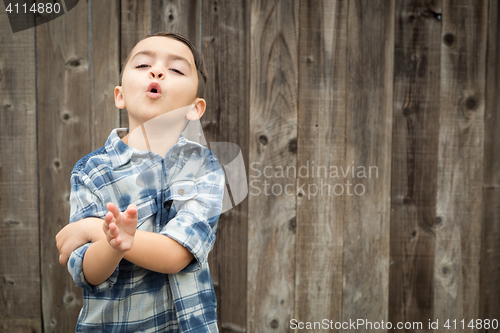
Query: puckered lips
{"points": [[154, 90]]}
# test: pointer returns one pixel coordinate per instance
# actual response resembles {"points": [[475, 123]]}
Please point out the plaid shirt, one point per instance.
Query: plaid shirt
{"points": [[179, 196]]}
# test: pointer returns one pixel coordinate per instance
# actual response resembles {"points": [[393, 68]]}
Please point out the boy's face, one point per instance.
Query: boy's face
{"points": [[169, 64]]}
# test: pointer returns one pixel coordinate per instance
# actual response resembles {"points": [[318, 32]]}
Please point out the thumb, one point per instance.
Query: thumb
{"points": [[63, 259], [132, 210]]}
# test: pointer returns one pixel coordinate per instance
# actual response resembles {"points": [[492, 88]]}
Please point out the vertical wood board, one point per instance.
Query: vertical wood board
{"points": [[460, 161], [225, 49], [63, 138], [370, 50], [489, 285], [414, 161], [272, 142], [321, 149], [19, 230]]}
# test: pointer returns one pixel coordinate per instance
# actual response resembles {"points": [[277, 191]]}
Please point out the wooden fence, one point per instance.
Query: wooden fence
{"points": [[369, 130]]}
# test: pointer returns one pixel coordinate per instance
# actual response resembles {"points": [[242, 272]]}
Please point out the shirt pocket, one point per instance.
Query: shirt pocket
{"points": [[146, 207], [179, 193], [182, 190]]}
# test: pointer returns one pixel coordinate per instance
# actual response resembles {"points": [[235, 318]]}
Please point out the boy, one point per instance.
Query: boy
{"points": [[144, 267]]}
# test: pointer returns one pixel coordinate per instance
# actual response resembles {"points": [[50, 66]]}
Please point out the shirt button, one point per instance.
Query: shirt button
{"points": [[181, 191]]}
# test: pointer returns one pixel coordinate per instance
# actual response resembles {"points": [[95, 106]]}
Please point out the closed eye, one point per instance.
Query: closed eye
{"points": [[142, 66], [176, 71]]}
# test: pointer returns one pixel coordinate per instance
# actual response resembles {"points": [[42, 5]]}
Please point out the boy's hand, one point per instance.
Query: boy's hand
{"points": [[75, 234], [120, 228]]}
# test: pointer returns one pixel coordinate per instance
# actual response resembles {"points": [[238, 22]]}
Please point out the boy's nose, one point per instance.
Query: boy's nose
{"points": [[156, 74]]}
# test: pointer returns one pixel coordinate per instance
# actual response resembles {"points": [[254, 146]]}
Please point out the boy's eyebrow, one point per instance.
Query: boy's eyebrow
{"points": [[170, 56]]}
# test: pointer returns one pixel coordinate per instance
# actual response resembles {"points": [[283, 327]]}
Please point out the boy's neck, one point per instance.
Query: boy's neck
{"points": [[157, 135]]}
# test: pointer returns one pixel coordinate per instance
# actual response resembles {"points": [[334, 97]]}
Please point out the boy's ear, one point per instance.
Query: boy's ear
{"points": [[119, 101], [198, 109]]}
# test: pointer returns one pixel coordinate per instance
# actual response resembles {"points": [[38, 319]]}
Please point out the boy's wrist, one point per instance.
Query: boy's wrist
{"points": [[99, 261], [92, 230], [117, 250], [112, 251]]}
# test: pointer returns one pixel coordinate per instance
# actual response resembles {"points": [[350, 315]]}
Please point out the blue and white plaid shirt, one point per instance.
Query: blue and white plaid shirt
{"points": [[179, 196]]}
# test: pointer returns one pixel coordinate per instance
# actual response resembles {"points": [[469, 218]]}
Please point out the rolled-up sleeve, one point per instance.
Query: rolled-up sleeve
{"points": [[195, 222], [75, 268], [84, 203]]}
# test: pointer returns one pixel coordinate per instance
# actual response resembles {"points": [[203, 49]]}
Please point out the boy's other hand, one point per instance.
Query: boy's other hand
{"points": [[120, 227], [75, 234]]}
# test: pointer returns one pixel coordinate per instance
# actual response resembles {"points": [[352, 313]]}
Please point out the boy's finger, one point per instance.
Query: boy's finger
{"points": [[113, 230], [113, 209], [63, 260], [109, 218], [131, 210], [115, 241]]}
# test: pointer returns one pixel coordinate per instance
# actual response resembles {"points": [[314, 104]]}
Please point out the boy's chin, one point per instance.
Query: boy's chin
{"points": [[171, 117], [162, 117]]}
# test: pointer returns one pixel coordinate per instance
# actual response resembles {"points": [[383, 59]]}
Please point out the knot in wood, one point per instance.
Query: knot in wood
{"points": [[292, 226], [292, 146], [263, 139], [471, 103], [449, 39], [73, 62]]}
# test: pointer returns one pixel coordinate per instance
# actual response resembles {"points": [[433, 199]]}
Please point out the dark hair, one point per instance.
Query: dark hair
{"points": [[198, 59]]}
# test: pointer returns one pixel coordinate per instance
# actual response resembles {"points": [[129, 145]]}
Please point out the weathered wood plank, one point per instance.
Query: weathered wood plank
{"points": [[225, 48], [370, 51], [460, 161], [489, 286], [63, 124], [19, 230], [489, 282], [414, 161], [135, 24], [104, 69], [273, 141], [180, 16], [321, 147]]}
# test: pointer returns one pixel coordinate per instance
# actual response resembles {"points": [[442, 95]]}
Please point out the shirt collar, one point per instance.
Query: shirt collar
{"points": [[120, 153]]}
